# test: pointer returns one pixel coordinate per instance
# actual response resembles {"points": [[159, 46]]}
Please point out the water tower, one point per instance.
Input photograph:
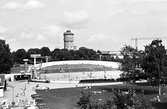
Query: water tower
{"points": [[68, 40]]}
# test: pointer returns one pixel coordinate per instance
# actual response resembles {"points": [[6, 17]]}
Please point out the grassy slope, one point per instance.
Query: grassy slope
{"points": [[67, 98], [71, 68], [75, 68]]}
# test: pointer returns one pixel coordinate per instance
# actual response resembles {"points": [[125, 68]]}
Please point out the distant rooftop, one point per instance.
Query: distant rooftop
{"points": [[68, 32], [110, 52]]}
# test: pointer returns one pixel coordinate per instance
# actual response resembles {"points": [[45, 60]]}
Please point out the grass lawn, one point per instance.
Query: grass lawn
{"points": [[67, 98]]}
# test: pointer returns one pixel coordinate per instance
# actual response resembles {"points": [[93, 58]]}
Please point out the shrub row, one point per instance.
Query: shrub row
{"points": [[40, 81], [97, 80]]}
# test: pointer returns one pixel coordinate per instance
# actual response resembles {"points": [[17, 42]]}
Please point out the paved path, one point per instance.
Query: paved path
{"points": [[18, 85]]}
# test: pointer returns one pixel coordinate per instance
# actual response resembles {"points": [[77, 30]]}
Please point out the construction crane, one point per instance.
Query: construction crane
{"points": [[136, 40]]}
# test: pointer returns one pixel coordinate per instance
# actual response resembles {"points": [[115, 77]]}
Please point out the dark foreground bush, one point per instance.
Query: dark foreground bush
{"points": [[97, 81], [42, 106], [38, 99], [122, 100], [35, 96], [40, 81]]}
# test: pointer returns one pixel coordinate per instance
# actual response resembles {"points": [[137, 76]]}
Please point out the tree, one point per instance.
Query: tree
{"points": [[55, 53], [19, 55], [5, 57], [61, 54], [45, 51], [155, 63], [121, 100], [33, 51], [87, 54], [130, 63], [131, 100], [85, 101]]}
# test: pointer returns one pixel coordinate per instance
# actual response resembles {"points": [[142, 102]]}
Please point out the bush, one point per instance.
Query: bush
{"points": [[35, 96], [84, 101], [121, 100], [130, 100], [40, 81], [38, 100], [97, 81], [42, 106], [47, 81]]}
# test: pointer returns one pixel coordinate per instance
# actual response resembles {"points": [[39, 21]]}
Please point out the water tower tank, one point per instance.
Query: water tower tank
{"points": [[68, 40]]}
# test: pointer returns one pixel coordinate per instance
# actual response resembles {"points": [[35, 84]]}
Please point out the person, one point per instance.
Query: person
{"points": [[24, 92], [17, 95], [157, 98], [28, 80], [5, 86], [33, 88], [37, 86], [21, 91]]}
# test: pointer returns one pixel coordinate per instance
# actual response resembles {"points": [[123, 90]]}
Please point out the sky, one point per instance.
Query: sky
{"points": [[105, 25]]}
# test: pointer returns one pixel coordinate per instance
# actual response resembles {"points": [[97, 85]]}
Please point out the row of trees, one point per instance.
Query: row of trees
{"points": [[8, 58], [55, 55]]}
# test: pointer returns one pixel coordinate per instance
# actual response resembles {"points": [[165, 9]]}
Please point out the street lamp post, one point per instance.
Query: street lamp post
{"points": [[13, 103], [104, 72], [12, 94], [69, 74], [91, 76], [25, 60]]}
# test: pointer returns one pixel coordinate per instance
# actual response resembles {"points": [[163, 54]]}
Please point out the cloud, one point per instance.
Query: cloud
{"points": [[75, 20], [52, 30], [2, 37], [31, 4], [11, 5], [105, 38], [27, 35], [25, 29], [40, 37], [99, 37], [11, 40], [117, 12], [5, 29]]}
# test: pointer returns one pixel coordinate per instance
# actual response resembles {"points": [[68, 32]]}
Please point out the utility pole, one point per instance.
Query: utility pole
{"points": [[135, 39], [25, 64]]}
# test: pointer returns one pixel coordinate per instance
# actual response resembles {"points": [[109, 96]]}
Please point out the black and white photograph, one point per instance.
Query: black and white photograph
{"points": [[83, 54]]}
